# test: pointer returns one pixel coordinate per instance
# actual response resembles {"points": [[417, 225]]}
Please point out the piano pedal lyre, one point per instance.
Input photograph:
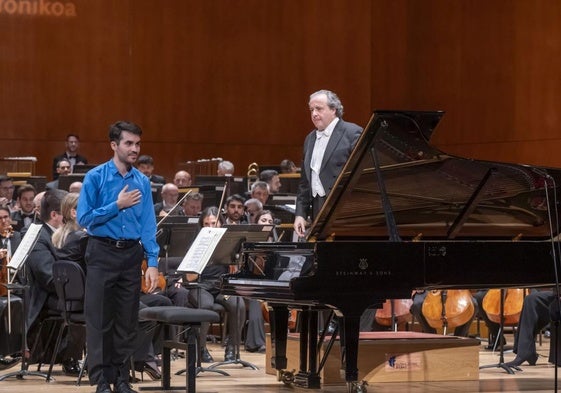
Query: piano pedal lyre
{"points": [[358, 387]]}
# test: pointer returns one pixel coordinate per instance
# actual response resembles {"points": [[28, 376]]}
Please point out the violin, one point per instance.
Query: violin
{"points": [[161, 279], [512, 304], [448, 308], [394, 311], [6, 233]]}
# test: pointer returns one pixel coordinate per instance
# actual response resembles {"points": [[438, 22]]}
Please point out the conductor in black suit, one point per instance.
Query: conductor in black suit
{"points": [[326, 150]]}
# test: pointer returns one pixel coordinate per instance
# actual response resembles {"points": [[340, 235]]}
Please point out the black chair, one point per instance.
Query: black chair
{"points": [[189, 319], [70, 281]]}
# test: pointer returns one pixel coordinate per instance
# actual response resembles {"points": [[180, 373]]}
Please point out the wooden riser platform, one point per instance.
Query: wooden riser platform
{"points": [[398, 357]]}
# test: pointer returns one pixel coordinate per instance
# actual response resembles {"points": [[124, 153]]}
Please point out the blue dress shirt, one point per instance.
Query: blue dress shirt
{"points": [[98, 212]]}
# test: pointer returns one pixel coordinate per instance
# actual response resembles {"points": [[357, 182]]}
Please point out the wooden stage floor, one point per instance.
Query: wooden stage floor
{"points": [[539, 378]]}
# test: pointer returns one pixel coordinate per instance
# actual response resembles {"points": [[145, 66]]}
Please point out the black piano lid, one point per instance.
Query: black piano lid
{"points": [[433, 195]]}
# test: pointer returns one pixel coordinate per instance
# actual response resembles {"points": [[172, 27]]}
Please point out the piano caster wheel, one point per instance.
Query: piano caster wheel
{"points": [[358, 387], [287, 377]]}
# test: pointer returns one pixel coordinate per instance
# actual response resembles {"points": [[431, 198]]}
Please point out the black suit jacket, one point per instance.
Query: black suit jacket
{"points": [[79, 159], [339, 148], [39, 273]]}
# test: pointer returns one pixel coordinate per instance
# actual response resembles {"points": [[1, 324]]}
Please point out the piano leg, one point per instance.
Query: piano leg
{"points": [[279, 332], [308, 375], [350, 331]]}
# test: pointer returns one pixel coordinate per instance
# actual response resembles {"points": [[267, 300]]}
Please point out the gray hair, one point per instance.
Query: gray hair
{"points": [[333, 101]]}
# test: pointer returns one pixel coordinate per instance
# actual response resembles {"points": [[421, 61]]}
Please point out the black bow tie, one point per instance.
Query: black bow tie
{"points": [[31, 215]]}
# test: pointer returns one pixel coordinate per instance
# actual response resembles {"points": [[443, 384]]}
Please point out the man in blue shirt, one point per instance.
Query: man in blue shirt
{"points": [[116, 208]]}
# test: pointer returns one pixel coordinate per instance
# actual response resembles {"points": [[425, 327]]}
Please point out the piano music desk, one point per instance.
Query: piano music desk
{"points": [[397, 357]]}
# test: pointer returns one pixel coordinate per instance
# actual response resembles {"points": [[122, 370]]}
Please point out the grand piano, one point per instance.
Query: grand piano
{"points": [[404, 215]]}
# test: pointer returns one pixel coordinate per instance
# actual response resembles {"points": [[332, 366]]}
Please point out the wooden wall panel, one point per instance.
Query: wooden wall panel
{"points": [[204, 79], [492, 66], [231, 79]]}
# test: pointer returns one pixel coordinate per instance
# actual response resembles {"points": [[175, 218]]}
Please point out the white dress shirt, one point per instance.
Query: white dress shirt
{"points": [[322, 138]]}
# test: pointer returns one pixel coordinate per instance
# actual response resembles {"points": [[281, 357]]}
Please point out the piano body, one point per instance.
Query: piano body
{"points": [[402, 216]]}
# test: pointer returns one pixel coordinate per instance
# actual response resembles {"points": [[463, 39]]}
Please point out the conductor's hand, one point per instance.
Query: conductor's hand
{"points": [[300, 226], [151, 277], [128, 198]]}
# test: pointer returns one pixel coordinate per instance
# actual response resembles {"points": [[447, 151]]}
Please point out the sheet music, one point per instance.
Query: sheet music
{"points": [[25, 246], [201, 250]]}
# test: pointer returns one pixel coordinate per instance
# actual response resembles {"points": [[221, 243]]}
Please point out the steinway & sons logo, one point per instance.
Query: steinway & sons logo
{"points": [[38, 8]]}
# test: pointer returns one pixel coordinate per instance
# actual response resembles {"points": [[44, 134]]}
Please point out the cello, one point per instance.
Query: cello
{"points": [[448, 308], [512, 305], [394, 312]]}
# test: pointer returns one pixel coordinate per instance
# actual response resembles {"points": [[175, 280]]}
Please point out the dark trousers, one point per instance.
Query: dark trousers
{"points": [[111, 306], [255, 336], [534, 317], [235, 310]]}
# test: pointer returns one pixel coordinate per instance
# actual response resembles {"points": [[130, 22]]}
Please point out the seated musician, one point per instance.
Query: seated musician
{"points": [[10, 241], [42, 292], [193, 204], [271, 177], [252, 207], [255, 337], [207, 293], [25, 215], [170, 196], [534, 317]]}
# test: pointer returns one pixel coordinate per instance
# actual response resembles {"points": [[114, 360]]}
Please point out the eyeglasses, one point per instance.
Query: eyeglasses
{"points": [[7, 188]]}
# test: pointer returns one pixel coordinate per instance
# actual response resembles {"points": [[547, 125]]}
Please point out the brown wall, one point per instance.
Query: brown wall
{"points": [[230, 79]]}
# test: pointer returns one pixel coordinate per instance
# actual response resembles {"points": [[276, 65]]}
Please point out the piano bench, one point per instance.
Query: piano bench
{"points": [[189, 319]]}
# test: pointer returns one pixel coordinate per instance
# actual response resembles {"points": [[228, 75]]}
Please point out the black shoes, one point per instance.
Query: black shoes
{"points": [[71, 367], [149, 368], [206, 357], [122, 387], [518, 360], [230, 353], [103, 387], [8, 362]]}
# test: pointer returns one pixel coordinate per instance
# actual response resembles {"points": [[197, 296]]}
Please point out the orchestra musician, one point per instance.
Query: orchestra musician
{"points": [[208, 292], [9, 242], [115, 206], [534, 317], [255, 337], [7, 192], [42, 293], [23, 217], [170, 196]]}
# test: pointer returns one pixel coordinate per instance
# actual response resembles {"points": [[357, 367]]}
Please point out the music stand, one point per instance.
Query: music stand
{"points": [[225, 251], [502, 364], [15, 264], [175, 236]]}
